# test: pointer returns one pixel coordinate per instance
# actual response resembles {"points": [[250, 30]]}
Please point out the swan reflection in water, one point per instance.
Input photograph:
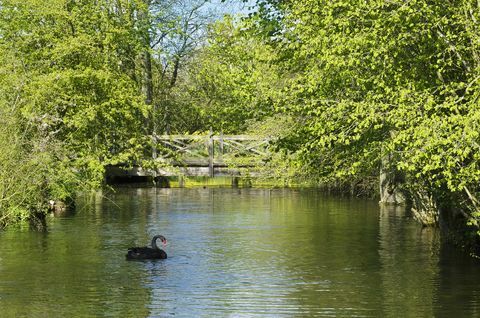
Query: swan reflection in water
{"points": [[154, 252]]}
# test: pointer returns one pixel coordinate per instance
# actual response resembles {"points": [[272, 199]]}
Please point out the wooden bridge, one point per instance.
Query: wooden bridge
{"points": [[201, 155]]}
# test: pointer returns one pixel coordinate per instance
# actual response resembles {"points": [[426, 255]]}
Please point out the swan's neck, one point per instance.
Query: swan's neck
{"points": [[154, 241]]}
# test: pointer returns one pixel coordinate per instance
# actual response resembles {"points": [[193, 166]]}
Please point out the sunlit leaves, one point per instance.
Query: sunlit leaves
{"points": [[234, 78], [383, 78], [75, 93]]}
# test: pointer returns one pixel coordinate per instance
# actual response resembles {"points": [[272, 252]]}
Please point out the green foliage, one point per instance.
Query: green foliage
{"points": [[375, 80], [338, 86], [234, 78], [360, 82], [71, 99]]}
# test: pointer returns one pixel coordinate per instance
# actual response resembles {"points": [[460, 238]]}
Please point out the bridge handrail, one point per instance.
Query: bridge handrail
{"points": [[214, 137]]}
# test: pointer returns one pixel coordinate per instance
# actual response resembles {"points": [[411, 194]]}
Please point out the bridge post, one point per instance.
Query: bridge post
{"points": [[210, 155], [220, 148]]}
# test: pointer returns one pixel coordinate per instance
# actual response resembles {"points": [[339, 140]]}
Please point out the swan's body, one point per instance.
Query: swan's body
{"points": [[153, 252]]}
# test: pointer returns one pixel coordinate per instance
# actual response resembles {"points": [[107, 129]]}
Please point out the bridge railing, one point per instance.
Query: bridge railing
{"points": [[213, 150]]}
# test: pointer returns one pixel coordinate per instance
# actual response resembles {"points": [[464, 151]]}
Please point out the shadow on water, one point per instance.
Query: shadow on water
{"points": [[409, 257], [458, 286], [422, 275]]}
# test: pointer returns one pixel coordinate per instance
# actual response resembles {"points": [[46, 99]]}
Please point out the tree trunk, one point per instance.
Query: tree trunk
{"points": [[176, 65], [425, 208], [148, 81], [390, 181]]}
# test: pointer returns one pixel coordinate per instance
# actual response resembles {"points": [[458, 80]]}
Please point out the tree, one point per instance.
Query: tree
{"points": [[180, 28], [84, 82], [393, 81], [234, 78], [74, 104]]}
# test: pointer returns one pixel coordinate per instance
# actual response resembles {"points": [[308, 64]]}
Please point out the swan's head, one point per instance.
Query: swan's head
{"points": [[162, 239]]}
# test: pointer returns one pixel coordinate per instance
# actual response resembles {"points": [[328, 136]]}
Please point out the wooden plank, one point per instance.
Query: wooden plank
{"points": [[215, 137], [238, 138], [180, 137]]}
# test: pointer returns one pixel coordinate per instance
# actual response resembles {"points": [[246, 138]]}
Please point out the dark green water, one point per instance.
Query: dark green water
{"points": [[234, 253]]}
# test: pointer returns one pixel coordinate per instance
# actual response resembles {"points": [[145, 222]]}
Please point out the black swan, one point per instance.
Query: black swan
{"points": [[153, 252]]}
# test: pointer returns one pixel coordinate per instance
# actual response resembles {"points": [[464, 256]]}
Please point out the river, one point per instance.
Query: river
{"points": [[234, 253]]}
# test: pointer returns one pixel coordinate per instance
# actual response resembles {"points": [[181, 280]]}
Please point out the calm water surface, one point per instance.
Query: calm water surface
{"points": [[234, 253]]}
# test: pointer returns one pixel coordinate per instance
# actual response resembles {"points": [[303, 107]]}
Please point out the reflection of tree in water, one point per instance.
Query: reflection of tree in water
{"points": [[275, 252], [409, 257], [330, 248]]}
